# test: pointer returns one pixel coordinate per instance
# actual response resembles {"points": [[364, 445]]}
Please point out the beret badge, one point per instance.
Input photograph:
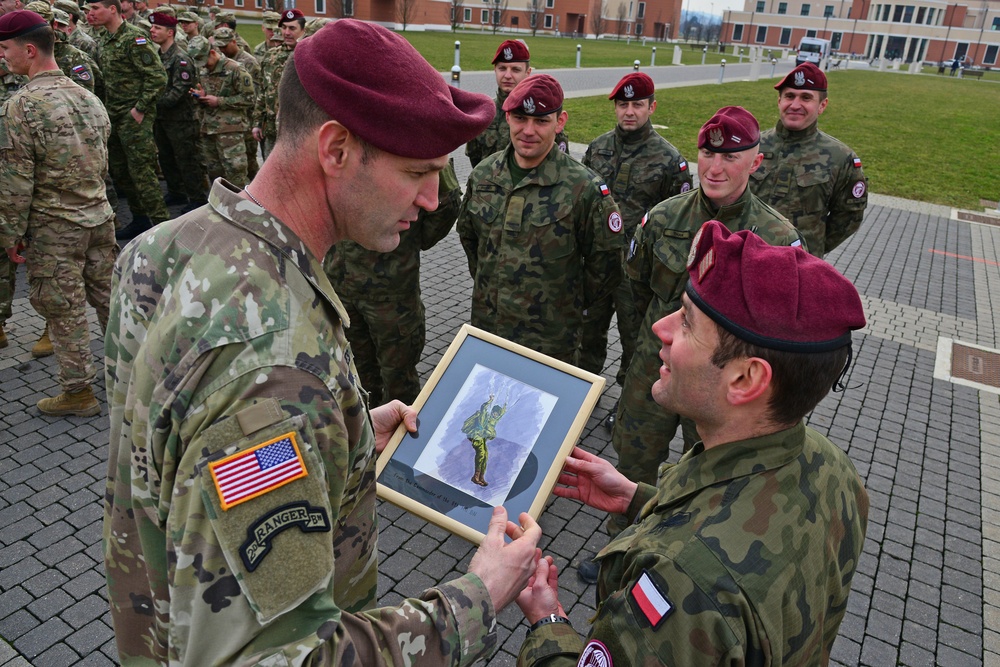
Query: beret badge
{"points": [[528, 105], [508, 54], [715, 136], [800, 79], [629, 92]]}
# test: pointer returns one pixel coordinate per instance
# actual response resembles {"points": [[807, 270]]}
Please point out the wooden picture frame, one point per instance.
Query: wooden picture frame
{"points": [[525, 409]]}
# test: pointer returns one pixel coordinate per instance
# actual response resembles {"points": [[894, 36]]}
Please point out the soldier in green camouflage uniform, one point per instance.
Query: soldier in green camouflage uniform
{"points": [[381, 294], [744, 551], [177, 129], [77, 37], [225, 93], [511, 65], [540, 231], [272, 38], [642, 169], [226, 345], [655, 268], [225, 41], [135, 79], [265, 115], [813, 179], [53, 157]]}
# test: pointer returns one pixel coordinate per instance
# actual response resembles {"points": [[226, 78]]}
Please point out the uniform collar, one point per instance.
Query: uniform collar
{"points": [[796, 135], [539, 175], [634, 136], [724, 213]]}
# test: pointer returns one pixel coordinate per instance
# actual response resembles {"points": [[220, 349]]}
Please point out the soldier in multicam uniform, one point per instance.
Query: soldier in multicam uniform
{"points": [[744, 551], [265, 115], [642, 169], [269, 26], [225, 92], [228, 20], [77, 37], [511, 66], [540, 231], [225, 41], [813, 179], [177, 129], [73, 62], [227, 344], [188, 22], [135, 78], [654, 266], [381, 295], [52, 199]]}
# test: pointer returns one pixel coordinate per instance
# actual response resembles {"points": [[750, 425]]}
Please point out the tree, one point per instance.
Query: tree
{"points": [[498, 15], [456, 10], [534, 11], [597, 21], [621, 17], [404, 11]]}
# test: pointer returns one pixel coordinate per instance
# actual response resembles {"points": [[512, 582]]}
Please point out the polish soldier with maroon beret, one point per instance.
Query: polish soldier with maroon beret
{"points": [[815, 180]]}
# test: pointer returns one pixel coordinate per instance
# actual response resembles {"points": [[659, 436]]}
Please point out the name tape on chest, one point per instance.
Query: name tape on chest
{"points": [[651, 602], [258, 470]]}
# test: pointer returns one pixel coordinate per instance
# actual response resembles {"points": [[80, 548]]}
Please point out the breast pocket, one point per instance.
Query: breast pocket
{"points": [[669, 270]]}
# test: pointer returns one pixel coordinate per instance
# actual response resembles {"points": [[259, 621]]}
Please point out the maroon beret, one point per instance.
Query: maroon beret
{"points": [[778, 297], [633, 86], [291, 15], [163, 19], [730, 130], [536, 95], [19, 22], [804, 77], [392, 98], [512, 51]]}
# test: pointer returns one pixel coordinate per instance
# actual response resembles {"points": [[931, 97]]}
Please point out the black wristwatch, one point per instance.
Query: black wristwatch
{"points": [[545, 620]]}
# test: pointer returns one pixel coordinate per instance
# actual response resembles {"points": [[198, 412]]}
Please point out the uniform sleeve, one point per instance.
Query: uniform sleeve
{"points": [[241, 86], [552, 645], [259, 115], [467, 229], [678, 179], [154, 77], [850, 199], [603, 257], [179, 85], [17, 173], [638, 267], [436, 224]]}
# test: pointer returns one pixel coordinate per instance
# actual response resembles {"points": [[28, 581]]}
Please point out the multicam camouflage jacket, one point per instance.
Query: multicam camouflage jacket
{"points": [[815, 181], [265, 111], [641, 168], [358, 273], [133, 74], [240, 523], [233, 86], [743, 555], [540, 251], [53, 157], [496, 137], [176, 103]]}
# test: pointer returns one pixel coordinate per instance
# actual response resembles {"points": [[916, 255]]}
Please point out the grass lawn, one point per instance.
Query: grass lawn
{"points": [[928, 138]]}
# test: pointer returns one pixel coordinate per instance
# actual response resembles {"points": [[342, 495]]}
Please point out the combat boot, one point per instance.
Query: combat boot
{"points": [[43, 348], [77, 404], [3, 337]]}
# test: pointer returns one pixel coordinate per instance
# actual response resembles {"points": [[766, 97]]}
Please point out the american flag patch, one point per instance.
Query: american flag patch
{"points": [[857, 163], [140, 40], [604, 190], [684, 165], [653, 604], [256, 471]]}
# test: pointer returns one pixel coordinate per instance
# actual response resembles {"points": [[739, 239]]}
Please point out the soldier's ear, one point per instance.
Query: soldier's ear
{"points": [[334, 146]]}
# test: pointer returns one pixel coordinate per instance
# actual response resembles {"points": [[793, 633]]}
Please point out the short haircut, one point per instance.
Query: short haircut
{"points": [[300, 21], [42, 38], [109, 3], [800, 379]]}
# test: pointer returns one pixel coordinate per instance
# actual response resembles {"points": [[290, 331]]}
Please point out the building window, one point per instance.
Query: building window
{"points": [[259, 4], [548, 21], [996, 23], [761, 34], [737, 32], [348, 7], [642, 11], [321, 6], [239, 3], [467, 15], [786, 37], [485, 16], [828, 11], [908, 14], [218, 2], [991, 55], [638, 27], [805, 10], [835, 40], [760, 6], [885, 12], [930, 16], [810, 33], [782, 7]]}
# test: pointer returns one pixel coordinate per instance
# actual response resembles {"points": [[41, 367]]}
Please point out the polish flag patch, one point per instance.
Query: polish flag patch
{"points": [[857, 163], [650, 600], [604, 190], [684, 165]]}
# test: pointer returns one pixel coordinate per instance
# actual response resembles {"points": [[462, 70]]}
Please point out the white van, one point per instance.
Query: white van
{"points": [[812, 50]]}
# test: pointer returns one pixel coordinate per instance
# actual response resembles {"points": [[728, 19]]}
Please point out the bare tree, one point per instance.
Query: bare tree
{"points": [[621, 15], [534, 11], [597, 21], [404, 11], [456, 10], [498, 15]]}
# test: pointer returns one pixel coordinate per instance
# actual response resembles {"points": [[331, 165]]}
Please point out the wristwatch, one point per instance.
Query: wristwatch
{"points": [[545, 620]]}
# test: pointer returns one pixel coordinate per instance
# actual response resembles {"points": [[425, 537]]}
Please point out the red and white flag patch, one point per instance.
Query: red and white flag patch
{"points": [[857, 163], [684, 165], [605, 190], [650, 600], [255, 471]]}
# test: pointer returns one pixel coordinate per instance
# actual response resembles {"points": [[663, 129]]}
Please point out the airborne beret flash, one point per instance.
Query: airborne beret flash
{"points": [[730, 130], [804, 77], [20, 22], [633, 86], [163, 19], [536, 95], [291, 15], [512, 51]]}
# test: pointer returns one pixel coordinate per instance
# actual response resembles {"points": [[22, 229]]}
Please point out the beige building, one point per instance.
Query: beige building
{"points": [[909, 30]]}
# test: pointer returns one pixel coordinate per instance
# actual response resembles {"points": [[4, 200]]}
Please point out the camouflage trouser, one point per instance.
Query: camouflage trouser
{"points": [[387, 338], [482, 456], [181, 158], [252, 147], [226, 156], [132, 162], [8, 282], [594, 347], [68, 267]]}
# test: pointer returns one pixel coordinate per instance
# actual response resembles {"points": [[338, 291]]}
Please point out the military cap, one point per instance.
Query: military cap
{"points": [[270, 19], [20, 22], [59, 16], [223, 36], [197, 49], [163, 19], [225, 17], [212, 10], [70, 7], [374, 97], [535, 96], [206, 11], [778, 297], [730, 130], [187, 17], [41, 8], [166, 9], [633, 86], [512, 51], [291, 15], [313, 25], [804, 77]]}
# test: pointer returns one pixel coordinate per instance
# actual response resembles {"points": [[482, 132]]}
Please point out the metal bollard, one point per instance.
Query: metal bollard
{"points": [[456, 76], [722, 70], [652, 58], [741, 56], [578, 47], [774, 62], [458, 52], [704, 52], [635, 65]]}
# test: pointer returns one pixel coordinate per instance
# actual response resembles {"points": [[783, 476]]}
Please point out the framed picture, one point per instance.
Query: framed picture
{"points": [[496, 422]]}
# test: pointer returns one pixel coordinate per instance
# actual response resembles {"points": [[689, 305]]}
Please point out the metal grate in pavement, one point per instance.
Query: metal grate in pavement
{"points": [[975, 364], [981, 218]]}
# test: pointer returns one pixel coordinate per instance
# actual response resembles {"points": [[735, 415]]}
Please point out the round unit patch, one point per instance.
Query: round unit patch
{"points": [[185, 76], [615, 222], [595, 654], [858, 190], [685, 187]]}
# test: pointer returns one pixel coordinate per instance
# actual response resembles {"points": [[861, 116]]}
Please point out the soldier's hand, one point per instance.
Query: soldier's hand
{"points": [[210, 100], [137, 115], [540, 597], [258, 134], [594, 482], [387, 418], [506, 568], [14, 254]]}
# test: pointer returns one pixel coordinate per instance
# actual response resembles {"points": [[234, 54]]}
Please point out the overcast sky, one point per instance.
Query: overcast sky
{"points": [[712, 6]]}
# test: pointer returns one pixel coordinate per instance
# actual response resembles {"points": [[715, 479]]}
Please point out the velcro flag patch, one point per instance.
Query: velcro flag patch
{"points": [[604, 190], [857, 163], [255, 471], [647, 596]]}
